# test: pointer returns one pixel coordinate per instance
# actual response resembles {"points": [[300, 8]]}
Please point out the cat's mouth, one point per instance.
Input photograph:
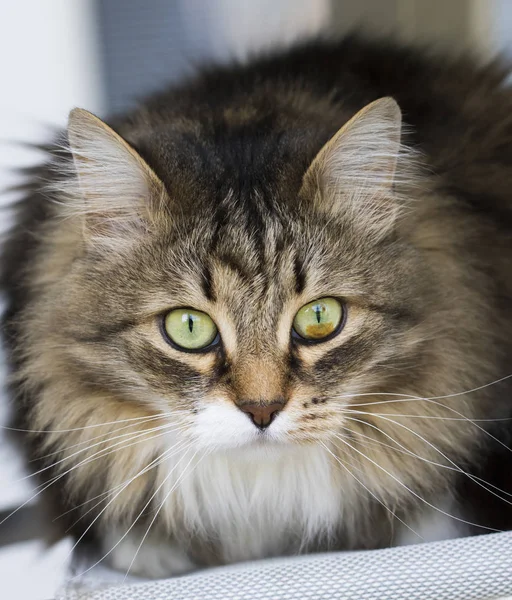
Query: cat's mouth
{"points": [[274, 433], [223, 425]]}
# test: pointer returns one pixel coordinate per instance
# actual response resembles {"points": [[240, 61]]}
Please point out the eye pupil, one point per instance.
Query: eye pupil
{"points": [[318, 312], [190, 323]]}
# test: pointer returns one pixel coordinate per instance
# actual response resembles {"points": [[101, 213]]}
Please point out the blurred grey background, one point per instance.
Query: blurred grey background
{"points": [[144, 44], [103, 55]]}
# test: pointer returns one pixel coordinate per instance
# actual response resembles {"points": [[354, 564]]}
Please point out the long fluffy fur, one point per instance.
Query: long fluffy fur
{"points": [[232, 194]]}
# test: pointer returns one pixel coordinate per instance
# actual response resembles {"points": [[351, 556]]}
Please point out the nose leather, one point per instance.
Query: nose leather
{"points": [[262, 414]]}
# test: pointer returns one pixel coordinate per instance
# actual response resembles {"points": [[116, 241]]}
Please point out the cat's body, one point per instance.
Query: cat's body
{"points": [[235, 217]]}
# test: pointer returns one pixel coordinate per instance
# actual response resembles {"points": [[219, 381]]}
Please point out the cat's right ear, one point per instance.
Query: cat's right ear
{"points": [[114, 191]]}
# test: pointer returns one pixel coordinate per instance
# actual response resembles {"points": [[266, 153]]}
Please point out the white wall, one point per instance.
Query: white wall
{"points": [[48, 64], [453, 25]]}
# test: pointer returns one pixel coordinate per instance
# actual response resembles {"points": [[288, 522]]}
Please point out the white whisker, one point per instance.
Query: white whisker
{"points": [[135, 520], [369, 491], [457, 467], [46, 485], [84, 427], [411, 397], [416, 495], [98, 437], [168, 453], [131, 436], [453, 410], [401, 448], [432, 417], [162, 504]]}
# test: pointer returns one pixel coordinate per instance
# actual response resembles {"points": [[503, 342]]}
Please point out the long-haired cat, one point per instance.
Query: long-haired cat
{"points": [[270, 310]]}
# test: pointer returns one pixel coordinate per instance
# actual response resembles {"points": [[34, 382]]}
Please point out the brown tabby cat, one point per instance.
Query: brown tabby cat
{"points": [[254, 317]]}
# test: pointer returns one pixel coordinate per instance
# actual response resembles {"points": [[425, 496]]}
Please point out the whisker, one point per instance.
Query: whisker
{"points": [[402, 449], [162, 504], [369, 491], [154, 463], [46, 485], [433, 417], [134, 522], [105, 508], [410, 397], [97, 437], [81, 428], [134, 435], [436, 508], [168, 453], [453, 410], [434, 447], [119, 446], [493, 486]]}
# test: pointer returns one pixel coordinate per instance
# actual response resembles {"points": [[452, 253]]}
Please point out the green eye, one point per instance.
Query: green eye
{"points": [[318, 319], [190, 329]]}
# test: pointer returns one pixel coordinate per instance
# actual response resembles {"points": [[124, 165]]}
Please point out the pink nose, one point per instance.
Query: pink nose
{"points": [[262, 414]]}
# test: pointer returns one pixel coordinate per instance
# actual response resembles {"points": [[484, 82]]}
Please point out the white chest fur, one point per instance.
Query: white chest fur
{"points": [[249, 503], [253, 502]]}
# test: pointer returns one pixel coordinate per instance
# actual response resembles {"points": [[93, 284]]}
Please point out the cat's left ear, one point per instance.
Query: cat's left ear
{"points": [[117, 191], [354, 173]]}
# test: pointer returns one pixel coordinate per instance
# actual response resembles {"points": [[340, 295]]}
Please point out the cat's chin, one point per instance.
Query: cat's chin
{"points": [[263, 441], [257, 451], [267, 444]]}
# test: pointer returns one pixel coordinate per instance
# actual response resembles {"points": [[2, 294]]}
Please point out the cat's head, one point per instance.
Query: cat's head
{"points": [[242, 291], [247, 313]]}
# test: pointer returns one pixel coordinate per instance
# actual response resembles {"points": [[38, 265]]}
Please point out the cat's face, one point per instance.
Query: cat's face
{"points": [[252, 285], [299, 307]]}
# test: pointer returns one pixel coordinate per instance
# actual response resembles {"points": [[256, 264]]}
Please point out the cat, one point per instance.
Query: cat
{"points": [[269, 311]]}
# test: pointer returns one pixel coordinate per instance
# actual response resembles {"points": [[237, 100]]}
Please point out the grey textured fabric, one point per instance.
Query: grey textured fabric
{"points": [[472, 568]]}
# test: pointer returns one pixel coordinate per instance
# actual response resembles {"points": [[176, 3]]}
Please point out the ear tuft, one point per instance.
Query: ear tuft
{"points": [[357, 173]]}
